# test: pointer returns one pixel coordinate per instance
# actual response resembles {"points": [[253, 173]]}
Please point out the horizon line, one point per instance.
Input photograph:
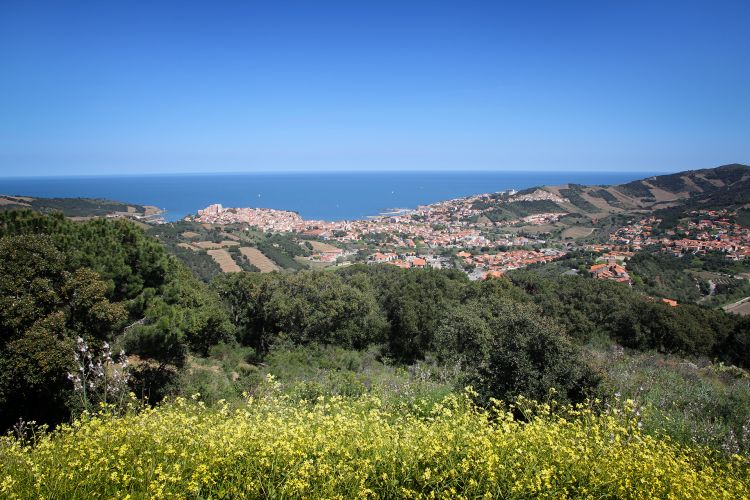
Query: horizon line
{"points": [[334, 171]]}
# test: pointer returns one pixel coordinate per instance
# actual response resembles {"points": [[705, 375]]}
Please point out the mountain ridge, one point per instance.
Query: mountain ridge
{"points": [[723, 185]]}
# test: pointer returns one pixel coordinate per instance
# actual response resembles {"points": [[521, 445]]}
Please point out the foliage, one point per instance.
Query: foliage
{"points": [[635, 189], [606, 196], [43, 307], [413, 302], [672, 182], [308, 372], [743, 217], [359, 447], [99, 378], [517, 209], [573, 194], [510, 349], [593, 310], [691, 402], [171, 236], [71, 207], [489, 327], [281, 258], [663, 275], [301, 308], [117, 250], [61, 280]]}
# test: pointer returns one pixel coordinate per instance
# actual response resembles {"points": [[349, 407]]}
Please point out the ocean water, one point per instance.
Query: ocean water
{"points": [[314, 195]]}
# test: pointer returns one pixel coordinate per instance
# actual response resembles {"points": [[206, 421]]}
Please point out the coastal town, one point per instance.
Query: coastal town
{"points": [[423, 237], [460, 233], [463, 233]]}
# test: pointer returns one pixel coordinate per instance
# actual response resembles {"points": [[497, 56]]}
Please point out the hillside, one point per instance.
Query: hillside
{"points": [[77, 207], [720, 186]]}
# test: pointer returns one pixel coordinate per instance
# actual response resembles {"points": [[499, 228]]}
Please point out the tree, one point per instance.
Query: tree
{"points": [[510, 349], [302, 308], [43, 307]]}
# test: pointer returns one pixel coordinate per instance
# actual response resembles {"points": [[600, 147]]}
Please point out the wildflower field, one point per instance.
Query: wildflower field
{"points": [[337, 447]]}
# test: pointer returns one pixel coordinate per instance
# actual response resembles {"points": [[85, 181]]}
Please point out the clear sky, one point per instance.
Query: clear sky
{"points": [[129, 87]]}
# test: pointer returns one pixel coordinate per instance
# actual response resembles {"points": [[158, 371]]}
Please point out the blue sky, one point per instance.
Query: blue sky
{"points": [[132, 87]]}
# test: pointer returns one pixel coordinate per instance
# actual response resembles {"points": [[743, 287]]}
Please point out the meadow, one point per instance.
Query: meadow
{"points": [[273, 446]]}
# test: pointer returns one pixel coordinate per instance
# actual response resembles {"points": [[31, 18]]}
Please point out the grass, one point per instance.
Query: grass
{"points": [[326, 422], [576, 232], [312, 371], [691, 402]]}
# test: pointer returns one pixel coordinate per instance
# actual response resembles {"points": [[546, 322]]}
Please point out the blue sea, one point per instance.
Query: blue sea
{"points": [[314, 195]]}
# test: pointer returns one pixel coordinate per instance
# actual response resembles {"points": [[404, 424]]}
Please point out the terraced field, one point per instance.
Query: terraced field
{"points": [[210, 245], [188, 246], [225, 261], [256, 258], [741, 307]]}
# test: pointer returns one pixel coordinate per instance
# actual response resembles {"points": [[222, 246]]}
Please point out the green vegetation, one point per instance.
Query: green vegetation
{"points": [[516, 209], [573, 194], [359, 355], [663, 275], [673, 183], [693, 402], [338, 447], [743, 217], [71, 207], [686, 279], [282, 250], [635, 189], [177, 238], [63, 280], [606, 196]]}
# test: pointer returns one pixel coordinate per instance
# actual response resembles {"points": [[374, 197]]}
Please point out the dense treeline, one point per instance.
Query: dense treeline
{"points": [[491, 330], [509, 338], [598, 309], [686, 278], [43, 307]]}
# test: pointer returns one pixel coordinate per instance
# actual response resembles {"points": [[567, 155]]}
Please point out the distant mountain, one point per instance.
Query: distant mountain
{"points": [[727, 185], [74, 207]]}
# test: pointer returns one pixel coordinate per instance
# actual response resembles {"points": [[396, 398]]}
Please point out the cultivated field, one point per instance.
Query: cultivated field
{"points": [[15, 200], [256, 258], [538, 229], [719, 279], [210, 245], [741, 307], [225, 261], [320, 246], [230, 236], [577, 232]]}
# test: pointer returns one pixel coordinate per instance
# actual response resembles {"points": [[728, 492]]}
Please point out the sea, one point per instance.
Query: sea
{"points": [[314, 195]]}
